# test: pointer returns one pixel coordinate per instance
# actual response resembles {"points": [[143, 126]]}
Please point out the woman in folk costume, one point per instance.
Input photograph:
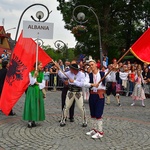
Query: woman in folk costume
{"points": [[138, 92], [34, 104]]}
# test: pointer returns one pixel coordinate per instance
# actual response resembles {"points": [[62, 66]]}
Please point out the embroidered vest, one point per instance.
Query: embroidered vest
{"points": [[101, 74]]}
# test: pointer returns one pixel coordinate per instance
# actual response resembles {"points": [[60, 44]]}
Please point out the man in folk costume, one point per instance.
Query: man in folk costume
{"points": [[96, 100], [76, 81], [111, 82], [64, 93]]}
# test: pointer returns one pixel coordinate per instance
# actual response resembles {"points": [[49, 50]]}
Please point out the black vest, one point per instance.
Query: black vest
{"points": [[101, 74]]}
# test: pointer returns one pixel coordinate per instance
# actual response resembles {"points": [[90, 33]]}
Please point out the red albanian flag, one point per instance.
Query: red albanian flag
{"points": [[141, 48], [17, 78]]}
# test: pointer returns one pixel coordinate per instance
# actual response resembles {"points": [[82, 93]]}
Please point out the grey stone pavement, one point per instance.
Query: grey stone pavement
{"points": [[125, 128]]}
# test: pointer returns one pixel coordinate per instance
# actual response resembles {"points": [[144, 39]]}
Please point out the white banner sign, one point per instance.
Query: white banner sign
{"points": [[33, 29]]}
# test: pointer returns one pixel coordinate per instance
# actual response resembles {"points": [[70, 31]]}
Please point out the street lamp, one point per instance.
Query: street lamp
{"points": [[81, 20], [39, 42], [10, 29], [60, 45], [39, 16]]}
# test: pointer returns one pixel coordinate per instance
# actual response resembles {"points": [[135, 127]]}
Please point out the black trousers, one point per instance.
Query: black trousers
{"points": [[63, 99]]}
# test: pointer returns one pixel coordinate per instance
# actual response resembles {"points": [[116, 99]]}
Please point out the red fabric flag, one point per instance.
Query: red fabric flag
{"points": [[141, 48], [17, 78]]}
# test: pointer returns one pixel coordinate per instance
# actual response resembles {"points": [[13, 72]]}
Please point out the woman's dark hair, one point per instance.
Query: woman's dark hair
{"points": [[37, 63], [4, 64]]}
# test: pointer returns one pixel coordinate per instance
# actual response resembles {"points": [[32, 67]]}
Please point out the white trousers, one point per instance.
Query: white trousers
{"points": [[70, 97]]}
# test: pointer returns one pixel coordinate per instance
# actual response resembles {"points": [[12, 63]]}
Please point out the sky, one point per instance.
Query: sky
{"points": [[11, 10]]}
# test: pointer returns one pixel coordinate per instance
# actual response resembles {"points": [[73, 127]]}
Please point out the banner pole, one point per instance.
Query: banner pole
{"points": [[37, 47], [60, 69], [113, 68]]}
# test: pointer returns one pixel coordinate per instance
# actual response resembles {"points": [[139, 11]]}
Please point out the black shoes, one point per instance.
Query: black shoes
{"points": [[12, 113], [71, 119], [62, 124], [119, 104], [84, 125], [31, 124]]}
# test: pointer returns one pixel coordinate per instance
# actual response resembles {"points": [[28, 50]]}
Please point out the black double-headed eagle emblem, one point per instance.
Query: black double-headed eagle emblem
{"points": [[15, 70]]}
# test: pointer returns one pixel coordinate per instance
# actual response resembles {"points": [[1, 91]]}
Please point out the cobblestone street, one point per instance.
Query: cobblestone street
{"points": [[125, 128]]}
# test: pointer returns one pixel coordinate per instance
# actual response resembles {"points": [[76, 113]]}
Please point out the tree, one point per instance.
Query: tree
{"points": [[56, 54], [122, 23]]}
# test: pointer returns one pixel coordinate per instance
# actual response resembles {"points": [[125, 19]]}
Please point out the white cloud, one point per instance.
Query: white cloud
{"points": [[11, 11]]}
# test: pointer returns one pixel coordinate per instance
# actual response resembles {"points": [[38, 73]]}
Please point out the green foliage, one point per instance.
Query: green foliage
{"points": [[59, 54], [122, 23]]}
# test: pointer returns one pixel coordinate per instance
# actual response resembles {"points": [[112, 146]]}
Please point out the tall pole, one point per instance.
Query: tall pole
{"points": [[39, 16], [99, 29], [58, 45], [48, 12]]}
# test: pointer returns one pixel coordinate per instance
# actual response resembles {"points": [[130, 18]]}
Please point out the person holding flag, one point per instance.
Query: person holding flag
{"points": [[75, 79], [17, 77], [96, 100], [3, 72], [34, 102]]}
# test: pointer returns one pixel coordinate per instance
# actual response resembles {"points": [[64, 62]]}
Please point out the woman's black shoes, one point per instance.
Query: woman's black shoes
{"points": [[31, 124]]}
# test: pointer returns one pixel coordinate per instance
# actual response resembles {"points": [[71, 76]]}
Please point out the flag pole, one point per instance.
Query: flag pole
{"points": [[37, 47], [60, 68], [113, 68]]}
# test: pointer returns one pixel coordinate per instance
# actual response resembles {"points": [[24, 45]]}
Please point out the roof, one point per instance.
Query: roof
{"points": [[1, 28], [6, 44], [2, 49]]}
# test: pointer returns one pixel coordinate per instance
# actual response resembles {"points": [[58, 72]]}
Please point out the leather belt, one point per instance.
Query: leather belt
{"points": [[74, 88], [99, 92]]}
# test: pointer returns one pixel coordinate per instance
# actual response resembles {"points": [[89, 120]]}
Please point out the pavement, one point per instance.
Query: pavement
{"points": [[125, 128]]}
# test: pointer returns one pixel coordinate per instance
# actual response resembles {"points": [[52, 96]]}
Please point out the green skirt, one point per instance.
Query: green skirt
{"points": [[34, 104]]}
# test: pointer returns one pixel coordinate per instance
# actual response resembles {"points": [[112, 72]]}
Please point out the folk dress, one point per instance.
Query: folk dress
{"points": [[138, 92], [34, 103]]}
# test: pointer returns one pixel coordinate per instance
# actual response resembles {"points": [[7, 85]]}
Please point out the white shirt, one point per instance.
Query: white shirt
{"points": [[111, 77], [96, 79], [79, 78], [34, 80], [123, 75]]}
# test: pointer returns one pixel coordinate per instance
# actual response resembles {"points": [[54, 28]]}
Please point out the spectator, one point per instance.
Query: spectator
{"points": [[66, 68], [61, 64], [138, 92], [46, 77], [5, 56], [85, 90], [53, 76], [0, 63], [98, 64], [104, 62], [146, 77], [106, 59], [131, 80]]}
